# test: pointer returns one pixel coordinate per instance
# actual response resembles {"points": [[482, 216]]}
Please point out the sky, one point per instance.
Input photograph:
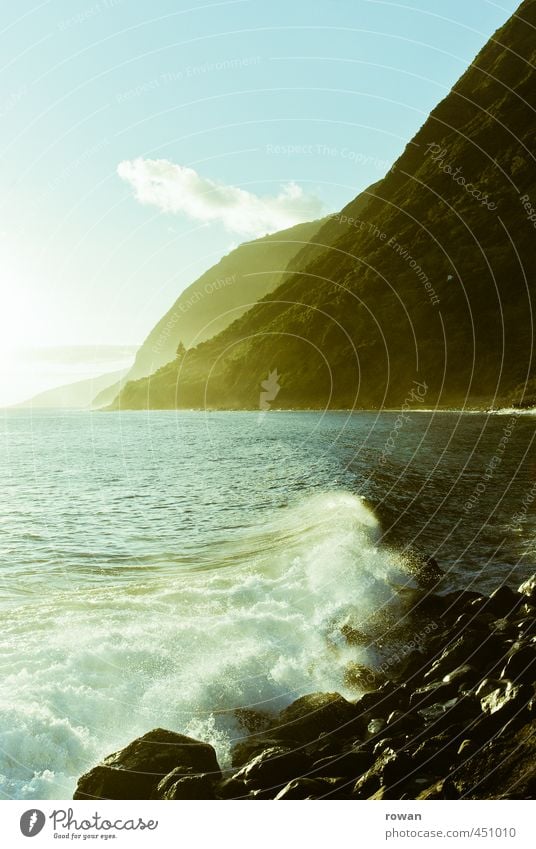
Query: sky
{"points": [[143, 139]]}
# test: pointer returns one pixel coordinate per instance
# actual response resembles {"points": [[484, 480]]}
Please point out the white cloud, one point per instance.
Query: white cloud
{"points": [[174, 188]]}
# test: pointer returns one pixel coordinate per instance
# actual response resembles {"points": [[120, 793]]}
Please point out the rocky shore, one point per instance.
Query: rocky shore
{"points": [[456, 719]]}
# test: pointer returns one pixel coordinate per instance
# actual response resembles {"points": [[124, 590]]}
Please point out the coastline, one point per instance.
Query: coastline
{"points": [[453, 716]]}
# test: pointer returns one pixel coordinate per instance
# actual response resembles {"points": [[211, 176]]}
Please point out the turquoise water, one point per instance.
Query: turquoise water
{"points": [[167, 568]]}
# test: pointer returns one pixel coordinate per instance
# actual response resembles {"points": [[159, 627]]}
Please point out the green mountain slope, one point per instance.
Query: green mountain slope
{"points": [[430, 280], [221, 295]]}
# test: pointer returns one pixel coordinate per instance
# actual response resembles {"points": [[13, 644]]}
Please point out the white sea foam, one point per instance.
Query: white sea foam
{"points": [[87, 670]]}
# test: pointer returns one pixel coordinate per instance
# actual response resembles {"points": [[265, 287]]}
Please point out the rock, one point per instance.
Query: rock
{"points": [[253, 721], [471, 647], [247, 749], [304, 788], [176, 785], [508, 699], [463, 676], [428, 573], [383, 701], [527, 627], [232, 788], [274, 767], [521, 664], [390, 769], [376, 726], [457, 710], [437, 691], [362, 677], [459, 602], [306, 718], [403, 722], [444, 789], [528, 589], [503, 602], [466, 748], [348, 765], [135, 771]]}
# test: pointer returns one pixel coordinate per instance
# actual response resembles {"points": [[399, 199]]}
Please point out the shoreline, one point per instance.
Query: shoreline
{"points": [[453, 718]]}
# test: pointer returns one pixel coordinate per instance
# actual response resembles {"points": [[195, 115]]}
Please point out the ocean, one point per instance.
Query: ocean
{"points": [[168, 568]]}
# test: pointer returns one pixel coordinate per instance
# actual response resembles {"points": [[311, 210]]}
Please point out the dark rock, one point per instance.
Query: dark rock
{"points": [[348, 765], [383, 701], [464, 676], [428, 572], [527, 627], [503, 602], [472, 648], [507, 700], [363, 677], [437, 691], [390, 768], [305, 719], [521, 664], [462, 710], [274, 767], [252, 720], [403, 722], [135, 771], [528, 589], [232, 788], [444, 789], [376, 726], [305, 788], [176, 785], [459, 602], [245, 750]]}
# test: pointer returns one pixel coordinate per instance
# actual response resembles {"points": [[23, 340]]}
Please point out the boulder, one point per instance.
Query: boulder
{"points": [[274, 767], [437, 691], [304, 788], [521, 664], [503, 602], [528, 589], [136, 771], [348, 765], [176, 785], [306, 718]]}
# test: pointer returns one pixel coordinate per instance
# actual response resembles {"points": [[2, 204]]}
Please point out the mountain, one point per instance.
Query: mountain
{"points": [[221, 295], [420, 291], [77, 395]]}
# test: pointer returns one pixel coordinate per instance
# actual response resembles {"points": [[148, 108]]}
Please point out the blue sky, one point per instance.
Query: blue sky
{"points": [[250, 95]]}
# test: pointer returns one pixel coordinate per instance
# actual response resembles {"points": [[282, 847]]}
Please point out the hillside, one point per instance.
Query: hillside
{"points": [[430, 280], [77, 395], [221, 295]]}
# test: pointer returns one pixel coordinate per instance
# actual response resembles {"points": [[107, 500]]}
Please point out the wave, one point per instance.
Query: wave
{"points": [[261, 623]]}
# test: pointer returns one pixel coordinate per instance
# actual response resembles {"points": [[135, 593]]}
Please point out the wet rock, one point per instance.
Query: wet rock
{"points": [[444, 789], [428, 572], [232, 788], [305, 788], [472, 648], [306, 718], [363, 678], [176, 785], [503, 602], [507, 700], [457, 710], [348, 765], [527, 627], [274, 767], [464, 676], [521, 664], [403, 722], [437, 691], [460, 602], [528, 589], [136, 771], [376, 726], [252, 720], [389, 769], [247, 749], [383, 701]]}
